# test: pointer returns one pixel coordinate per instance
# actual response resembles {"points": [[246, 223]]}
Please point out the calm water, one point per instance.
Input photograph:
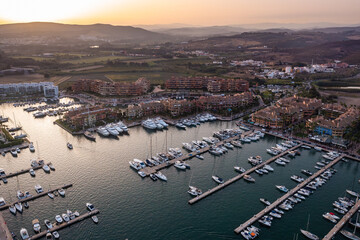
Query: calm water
{"points": [[136, 208]]}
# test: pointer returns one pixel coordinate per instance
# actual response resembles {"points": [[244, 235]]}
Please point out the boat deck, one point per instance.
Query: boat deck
{"points": [[65, 224], [6, 206], [285, 196], [239, 176], [22, 171], [342, 222]]}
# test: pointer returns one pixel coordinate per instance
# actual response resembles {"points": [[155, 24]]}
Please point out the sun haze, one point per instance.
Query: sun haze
{"points": [[199, 12]]}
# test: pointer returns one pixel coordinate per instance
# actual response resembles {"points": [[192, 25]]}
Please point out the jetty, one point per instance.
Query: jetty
{"points": [[65, 224], [154, 169], [33, 197], [24, 145], [22, 171], [239, 176], [285, 196], [342, 222], [5, 233]]}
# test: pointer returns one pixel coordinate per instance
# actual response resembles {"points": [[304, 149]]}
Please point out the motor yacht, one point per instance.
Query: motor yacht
{"points": [[274, 214], [31, 147], [297, 178], [180, 125], [36, 225], [12, 209], [179, 165], [141, 163], [19, 207], [89, 136], [38, 188], [329, 217], [306, 172], [153, 177], [69, 145], [61, 192], [142, 174], [161, 176], [32, 172], [135, 165], [218, 179], [239, 169], [46, 168], [51, 195], [199, 157], [56, 235], [103, 132], [149, 124], [268, 168], [258, 171], [194, 191], [264, 201], [65, 217], [24, 234], [282, 188], [280, 162], [13, 152], [95, 219], [58, 219], [51, 166], [248, 178], [90, 207]]}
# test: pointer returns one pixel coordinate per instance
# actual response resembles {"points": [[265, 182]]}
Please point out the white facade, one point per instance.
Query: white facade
{"points": [[47, 88]]}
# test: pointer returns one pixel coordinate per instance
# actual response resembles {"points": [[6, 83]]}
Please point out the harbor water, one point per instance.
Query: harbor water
{"points": [[135, 208]]}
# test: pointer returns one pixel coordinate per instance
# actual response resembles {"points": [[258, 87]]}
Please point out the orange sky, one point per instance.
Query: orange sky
{"points": [[197, 12]]}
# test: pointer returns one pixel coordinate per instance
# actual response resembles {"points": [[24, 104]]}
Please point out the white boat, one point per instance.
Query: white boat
{"points": [[199, 157], [194, 191], [217, 179], [179, 165], [160, 176], [32, 172], [95, 219], [329, 217], [69, 145], [268, 167], [56, 235], [180, 125], [279, 162], [61, 192], [248, 178], [239, 169], [103, 132], [264, 201], [46, 168], [349, 235], [31, 147], [309, 235], [352, 193], [142, 174], [13, 152], [51, 195], [36, 225], [318, 148], [282, 188], [19, 207], [141, 163], [90, 207], [149, 124], [38, 188], [24, 234], [65, 217], [135, 165], [58, 219], [112, 130]]}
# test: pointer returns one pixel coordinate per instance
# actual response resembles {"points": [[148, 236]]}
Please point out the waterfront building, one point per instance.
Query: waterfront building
{"points": [[46, 88]]}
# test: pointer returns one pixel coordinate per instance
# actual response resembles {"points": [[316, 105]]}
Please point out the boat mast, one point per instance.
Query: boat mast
{"points": [[307, 226]]}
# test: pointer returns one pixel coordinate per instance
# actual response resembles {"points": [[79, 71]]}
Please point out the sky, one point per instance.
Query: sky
{"points": [[193, 12]]}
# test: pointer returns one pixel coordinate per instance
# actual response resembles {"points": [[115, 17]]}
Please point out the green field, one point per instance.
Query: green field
{"points": [[154, 77]]}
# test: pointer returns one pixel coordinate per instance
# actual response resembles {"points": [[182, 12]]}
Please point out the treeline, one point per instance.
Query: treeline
{"points": [[119, 63]]}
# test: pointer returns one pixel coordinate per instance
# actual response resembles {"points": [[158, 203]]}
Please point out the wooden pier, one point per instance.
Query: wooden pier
{"points": [[65, 224], [342, 222], [22, 171], [285, 196], [239, 176], [24, 145], [33, 197]]}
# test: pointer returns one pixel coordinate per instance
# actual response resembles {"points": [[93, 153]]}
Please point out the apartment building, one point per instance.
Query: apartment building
{"points": [[46, 88]]}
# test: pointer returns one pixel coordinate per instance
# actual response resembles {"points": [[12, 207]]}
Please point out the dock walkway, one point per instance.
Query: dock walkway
{"points": [[6, 206], [21, 146], [22, 171], [285, 196], [65, 224], [239, 176], [343, 220]]}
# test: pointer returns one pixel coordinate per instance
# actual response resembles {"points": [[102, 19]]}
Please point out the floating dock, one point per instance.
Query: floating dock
{"points": [[342, 222], [65, 224], [6, 206], [285, 196], [21, 146], [239, 176], [22, 172]]}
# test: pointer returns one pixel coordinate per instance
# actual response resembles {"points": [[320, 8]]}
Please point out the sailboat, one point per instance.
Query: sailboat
{"points": [[308, 234], [351, 235], [12, 208], [194, 191]]}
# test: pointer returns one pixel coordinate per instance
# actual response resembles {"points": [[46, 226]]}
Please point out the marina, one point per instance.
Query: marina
{"points": [[66, 224], [90, 164], [35, 196], [284, 197]]}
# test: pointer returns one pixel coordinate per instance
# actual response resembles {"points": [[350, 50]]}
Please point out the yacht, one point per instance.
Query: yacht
{"points": [[272, 152], [51, 166], [90, 207], [194, 191], [19, 207], [65, 217], [218, 179], [153, 177], [32, 172], [306, 172], [95, 219], [239, 169], [135, 165], [279, 162], [274, 214], [56, 235], [149, 124], [236, 143], [229, 145], [51, 195], [58, 219], [179, 165], [180, 125], [268, 168], [309, 235], [89, 136], [352, 193], [103, 132], [292, 153], [318, 148], [46, 168], [24, 234], [264, 201], [142, 174], [297, 178], [31, 147], [69, 145], [258, 171], [61, 192], [349, 235], [265, 221], [249, 178], [38, 188], [112, 130], [329, 217], [199, 157], [161, 176], [141, 163], [36, 225], [12, 209], [282, 188]]}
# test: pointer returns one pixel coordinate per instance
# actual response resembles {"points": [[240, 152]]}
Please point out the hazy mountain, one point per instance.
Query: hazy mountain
{"points": [[203, 31], [95, 32]]}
